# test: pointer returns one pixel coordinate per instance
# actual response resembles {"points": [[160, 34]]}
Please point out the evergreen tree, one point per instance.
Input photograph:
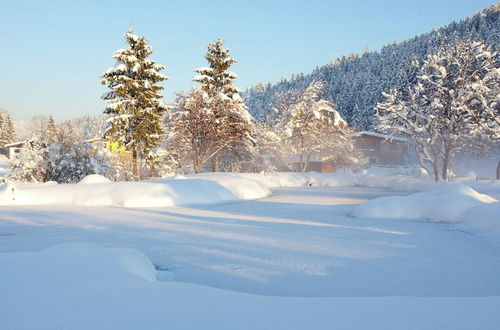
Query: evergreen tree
{"points": [[134, 101], [7, 131], [9, 128], [51, 132], [231, 115], [2, 130]]}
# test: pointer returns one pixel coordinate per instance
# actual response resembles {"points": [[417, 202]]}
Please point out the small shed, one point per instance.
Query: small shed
{"points": [[14, 150]]}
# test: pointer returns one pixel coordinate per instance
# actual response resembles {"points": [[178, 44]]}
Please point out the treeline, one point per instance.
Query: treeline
{"points": [[355, 82]]}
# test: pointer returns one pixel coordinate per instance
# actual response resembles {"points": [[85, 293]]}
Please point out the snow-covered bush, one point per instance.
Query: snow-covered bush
{"points": [[59, 162], [72, 163], [30, 166]]}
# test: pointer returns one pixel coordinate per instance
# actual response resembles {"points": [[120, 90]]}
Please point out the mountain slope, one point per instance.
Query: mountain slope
{"points": [[355, 82]]}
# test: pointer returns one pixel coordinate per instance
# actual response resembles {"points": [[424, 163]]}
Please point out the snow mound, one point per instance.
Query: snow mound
{"points": [[159, 193], [7, 193], [448, 203], [75, 265], [4, 164], [94, 178], [484, 217]]}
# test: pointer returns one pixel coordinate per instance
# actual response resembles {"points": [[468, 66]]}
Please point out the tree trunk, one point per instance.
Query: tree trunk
{"points": [[134, 163], [444, 174], [436, 171], [498, 170], [196, 166], [446, 163], [215, 163]]}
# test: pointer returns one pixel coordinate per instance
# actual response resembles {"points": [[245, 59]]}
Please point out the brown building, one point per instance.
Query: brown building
{"points": [[316, 164], [379, 149], [385, 150]]}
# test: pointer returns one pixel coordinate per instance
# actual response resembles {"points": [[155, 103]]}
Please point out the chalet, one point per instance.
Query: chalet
{"points": [[385, 150]]}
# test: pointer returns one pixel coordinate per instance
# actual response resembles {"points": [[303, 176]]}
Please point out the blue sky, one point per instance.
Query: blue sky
{"points": [[54, 51]]}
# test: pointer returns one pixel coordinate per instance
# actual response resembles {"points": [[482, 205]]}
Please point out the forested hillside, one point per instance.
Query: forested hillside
{"points": [[355, 82]]}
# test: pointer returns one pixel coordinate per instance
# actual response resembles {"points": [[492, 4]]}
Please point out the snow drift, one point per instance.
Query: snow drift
{"points": [[208, 188], [448, 203], [95, 191], [74, 265]]}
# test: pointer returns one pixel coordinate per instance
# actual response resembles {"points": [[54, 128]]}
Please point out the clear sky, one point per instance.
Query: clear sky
{"points": [[53, 52]]}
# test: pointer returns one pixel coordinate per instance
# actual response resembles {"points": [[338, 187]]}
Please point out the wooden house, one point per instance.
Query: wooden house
{"points": [[385, 150]]}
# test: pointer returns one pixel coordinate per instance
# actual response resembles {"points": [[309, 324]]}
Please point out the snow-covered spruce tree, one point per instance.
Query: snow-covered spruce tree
{"points": [[454, 103], [134, 101], [2, 130], [51, 134], [7, 131], [313, 126], [231, 117]]}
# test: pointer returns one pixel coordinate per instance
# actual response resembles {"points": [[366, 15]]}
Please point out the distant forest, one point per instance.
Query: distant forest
{"points": [[355, 82]]}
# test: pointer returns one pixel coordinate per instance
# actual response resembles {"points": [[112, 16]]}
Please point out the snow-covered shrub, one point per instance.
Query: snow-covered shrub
{"points": [[72, 163], [30, 166], [59, 162]]}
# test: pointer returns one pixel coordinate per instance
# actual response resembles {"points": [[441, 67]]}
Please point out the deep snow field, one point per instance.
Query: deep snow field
{"points": [[373, 250]]}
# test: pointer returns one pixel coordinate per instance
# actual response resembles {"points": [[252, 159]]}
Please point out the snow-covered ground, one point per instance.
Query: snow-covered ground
{"points": [[304, 256], [4, 164]]}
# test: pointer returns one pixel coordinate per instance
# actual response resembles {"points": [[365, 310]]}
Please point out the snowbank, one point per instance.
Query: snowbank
{"points": [[207, 188], [4, 164], [448, 203], [94, 178], [93, 192], [484, 217], [74, 265]]}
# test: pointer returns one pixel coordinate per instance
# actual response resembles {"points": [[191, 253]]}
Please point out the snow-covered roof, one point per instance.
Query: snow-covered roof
{"points": [[16, 144], [382, 136]]}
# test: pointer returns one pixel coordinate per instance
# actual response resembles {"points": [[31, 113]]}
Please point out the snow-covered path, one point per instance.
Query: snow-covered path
{"points": [[298, 242]]}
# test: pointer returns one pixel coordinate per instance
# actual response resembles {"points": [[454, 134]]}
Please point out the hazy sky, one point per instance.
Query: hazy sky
{"points": [[53, 52]]}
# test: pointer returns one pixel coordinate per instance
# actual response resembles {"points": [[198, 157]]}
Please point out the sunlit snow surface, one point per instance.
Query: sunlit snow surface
{"points": [[296, 259]]}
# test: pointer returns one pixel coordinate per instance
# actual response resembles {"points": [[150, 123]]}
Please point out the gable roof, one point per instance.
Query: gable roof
{"points": [[381, 136]]}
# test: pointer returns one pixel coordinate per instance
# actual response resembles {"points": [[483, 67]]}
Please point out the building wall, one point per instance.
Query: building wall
{"points": [[14, 153], [383, 152]]}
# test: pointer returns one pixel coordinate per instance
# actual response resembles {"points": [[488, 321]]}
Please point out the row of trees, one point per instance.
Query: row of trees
{"points": [[452, 105], [355, 82], [210, 123], [207, 121]]}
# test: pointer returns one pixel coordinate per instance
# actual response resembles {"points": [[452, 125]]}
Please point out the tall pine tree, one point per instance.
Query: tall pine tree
{"points": [[51, 132], [7, 131], [230, 111], [134, 101]]}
